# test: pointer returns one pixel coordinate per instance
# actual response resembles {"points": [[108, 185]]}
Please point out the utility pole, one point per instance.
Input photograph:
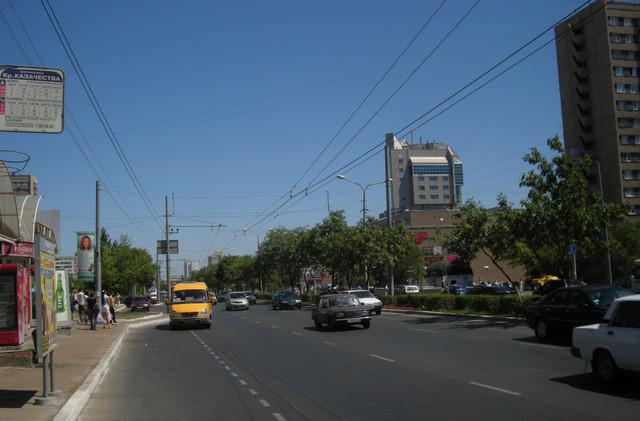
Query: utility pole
{"points": [[606, 227], [166, 238], [389, 138], [98, 244]]}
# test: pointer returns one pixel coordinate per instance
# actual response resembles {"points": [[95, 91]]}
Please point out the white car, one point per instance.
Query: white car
{"points": [[367, 298], [614, 344], [237, 301]]}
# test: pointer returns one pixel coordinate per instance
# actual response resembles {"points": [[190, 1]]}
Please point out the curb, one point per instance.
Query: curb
{"points": [[134, 321], [462, 316], [75, 404]]}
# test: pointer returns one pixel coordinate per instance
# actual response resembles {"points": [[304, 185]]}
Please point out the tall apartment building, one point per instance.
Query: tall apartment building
{"points": [[215, 258], [599, 71], [425, 176], [190, 266], [68, 263]]}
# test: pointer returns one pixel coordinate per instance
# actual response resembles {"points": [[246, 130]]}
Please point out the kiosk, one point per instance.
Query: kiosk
{"points": [[15, 303]]}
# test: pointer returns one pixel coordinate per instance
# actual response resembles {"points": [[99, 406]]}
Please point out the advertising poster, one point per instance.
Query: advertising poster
{"points": [[86, 256], [63, 309], [45, 262]]}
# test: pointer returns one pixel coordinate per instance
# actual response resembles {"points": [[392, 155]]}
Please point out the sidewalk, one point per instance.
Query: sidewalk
{"points": [[76, 355]]}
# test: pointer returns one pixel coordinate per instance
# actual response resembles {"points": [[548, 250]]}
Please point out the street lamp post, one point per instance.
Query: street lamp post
{"points": [[364, 188]]}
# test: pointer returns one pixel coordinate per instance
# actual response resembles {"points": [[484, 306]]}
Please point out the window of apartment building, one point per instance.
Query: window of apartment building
{"points": [[628, 105], [631, 174], [446, 197], [401, 169], [630, 157], [631, 192], [432, 178], [628, 123], [627, 22], [614, 21], [421, 178], [400, 161], [433, 187], [624, 55], [445, 187], [435, 196], [622, 88], [429, 169], [445, 178], [634, 210], [629, 140], [421, 187], [422, 197], [616, 38]]}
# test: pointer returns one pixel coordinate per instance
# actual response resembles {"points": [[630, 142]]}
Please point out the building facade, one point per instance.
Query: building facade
{"points": [[215, 258], [598, 54], [425, 176], [190, 266], [68, 263]]}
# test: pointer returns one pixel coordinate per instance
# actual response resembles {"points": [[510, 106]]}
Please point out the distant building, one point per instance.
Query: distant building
{"points": [[215, 258], [425, 176], [190, 266], [598, 53], [51, 219], [24, 184], [68, 263]]}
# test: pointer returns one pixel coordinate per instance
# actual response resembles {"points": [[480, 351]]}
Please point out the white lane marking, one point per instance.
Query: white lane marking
{"points": [[221, 362], [253, 392], [234, 374], [273, 326], [264, 403], [216, 357], [244, 318], [278, 417], [475, 321], [226, 367], [540, 345], [257, 322], [426, 330], [497, 389], [330, 343], [297, 333], [382, 358], [242, 382], [212, 353]]}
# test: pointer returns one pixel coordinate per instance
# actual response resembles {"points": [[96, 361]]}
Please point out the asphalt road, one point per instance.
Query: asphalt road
{"points": [[263, 364]]}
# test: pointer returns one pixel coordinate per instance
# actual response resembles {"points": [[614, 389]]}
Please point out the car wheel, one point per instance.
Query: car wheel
{"points": [[378, 312], [210, 323], [542, 330], [274, 307], [299, 306], [366, 324], [604, 366], [133, 309], [317, 323]]}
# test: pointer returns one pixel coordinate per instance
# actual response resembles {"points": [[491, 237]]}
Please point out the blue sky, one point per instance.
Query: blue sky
{"points": [[226, 103]]}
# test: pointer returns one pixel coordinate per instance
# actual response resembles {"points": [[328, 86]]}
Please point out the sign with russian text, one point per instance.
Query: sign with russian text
{"points": [[31, 99], [86, 256], [45, 263], [19, 249]]}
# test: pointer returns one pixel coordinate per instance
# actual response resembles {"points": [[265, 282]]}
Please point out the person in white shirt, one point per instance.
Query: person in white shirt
{"points": [[82, 307]]}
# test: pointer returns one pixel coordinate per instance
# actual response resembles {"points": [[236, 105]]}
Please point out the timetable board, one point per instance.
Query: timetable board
{"points": [[31, 99]]}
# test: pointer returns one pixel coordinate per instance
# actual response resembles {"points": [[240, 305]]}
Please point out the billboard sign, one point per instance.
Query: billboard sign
{"points": [[45, 263], [162, 247], [86, 256], [19, 249], [31, 99], [63, 308]]}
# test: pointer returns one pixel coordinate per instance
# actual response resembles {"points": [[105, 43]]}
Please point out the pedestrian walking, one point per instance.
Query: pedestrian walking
{"points": [[112, 306], [93, 309], [106, 316], [74, 303], [82, 307], [118, 298]]}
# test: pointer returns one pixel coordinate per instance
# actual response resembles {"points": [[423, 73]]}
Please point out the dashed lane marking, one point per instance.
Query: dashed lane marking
{"points": [[264, 403], [278, 417], [497, 389], [257, 322], [382, 358], [273, 327], [234, 374], [296, 333], [253, 392], [226, 367], [242, 382], [331, 343], [426, 330]]}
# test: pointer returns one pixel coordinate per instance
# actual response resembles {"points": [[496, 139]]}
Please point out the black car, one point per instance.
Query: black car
{"points": [[285, 299], [140, 303], [568, 307], [491, 290], [551, 286], [341, 309]]}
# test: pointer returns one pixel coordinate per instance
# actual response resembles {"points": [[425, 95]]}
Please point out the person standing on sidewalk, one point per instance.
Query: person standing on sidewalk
{"points": [[82, 307], [93, 309], [74, 304], [106, 315], [112, 306]]}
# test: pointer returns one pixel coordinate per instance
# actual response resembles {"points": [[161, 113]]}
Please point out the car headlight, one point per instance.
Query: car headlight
{"points": [[203, 311], [341, 314]]}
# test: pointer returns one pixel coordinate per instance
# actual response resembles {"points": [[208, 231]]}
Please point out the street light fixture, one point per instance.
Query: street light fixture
{"points": [[364, 188]]}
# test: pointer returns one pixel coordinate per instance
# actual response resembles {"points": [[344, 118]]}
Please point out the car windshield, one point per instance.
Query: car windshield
{"points": [[237, 295], [342, 300], [604, 297], [362, 294], [139, 299], [190, 296], [287, 295]]}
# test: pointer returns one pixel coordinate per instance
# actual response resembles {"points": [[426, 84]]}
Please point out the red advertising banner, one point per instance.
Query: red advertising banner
{"points": [[20, 249]]}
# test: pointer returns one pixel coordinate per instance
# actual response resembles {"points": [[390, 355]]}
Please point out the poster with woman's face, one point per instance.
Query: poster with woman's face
{"points": [[85, 255]]}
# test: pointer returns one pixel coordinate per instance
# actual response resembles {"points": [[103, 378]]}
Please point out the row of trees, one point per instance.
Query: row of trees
{"points": [[563, 207], [332, 247]]}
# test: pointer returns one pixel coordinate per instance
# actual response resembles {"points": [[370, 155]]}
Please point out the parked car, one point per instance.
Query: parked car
{"points": [[569, 307], [367, 298], [407, 289], [613, 345], [237, 301], [552, 285], [285, 299], [491, 290], [251, 297], [457, 290], [341, 309], [140, 303]]}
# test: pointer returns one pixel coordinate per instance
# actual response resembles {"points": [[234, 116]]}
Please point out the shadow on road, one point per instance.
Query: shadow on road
{"points": [[343, 328], [558, 340], [625, 387], [15, 398], [465, 322]]}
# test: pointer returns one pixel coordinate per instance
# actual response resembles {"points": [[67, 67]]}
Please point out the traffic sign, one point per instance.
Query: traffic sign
{"points": [[572, 249], [162, 247]]}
